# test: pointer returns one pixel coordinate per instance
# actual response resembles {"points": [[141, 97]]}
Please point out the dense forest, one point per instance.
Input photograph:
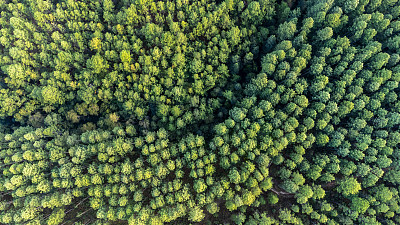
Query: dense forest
{"points": [[223, 112]]}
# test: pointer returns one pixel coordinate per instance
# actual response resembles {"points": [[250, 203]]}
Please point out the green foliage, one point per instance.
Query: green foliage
{"points": [[359, 205], [196, 215], [349, 186], [272, 198], [159, 111]]}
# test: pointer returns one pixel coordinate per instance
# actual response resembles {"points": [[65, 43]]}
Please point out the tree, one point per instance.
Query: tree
{"points": [[304, 193], [324, 34], [237, 114], [97, 64], [196, 214], [286, 30], [200, 186], [383, 194], [125, 56], [248, 198], [56, 217], [52, 95], [234, 176], [290, 186], [322, 139], [95, 43], [349, 186], [359, 205]]}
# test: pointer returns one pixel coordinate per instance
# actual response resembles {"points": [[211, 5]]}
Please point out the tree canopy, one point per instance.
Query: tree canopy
{"points": [[208, 112]]}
